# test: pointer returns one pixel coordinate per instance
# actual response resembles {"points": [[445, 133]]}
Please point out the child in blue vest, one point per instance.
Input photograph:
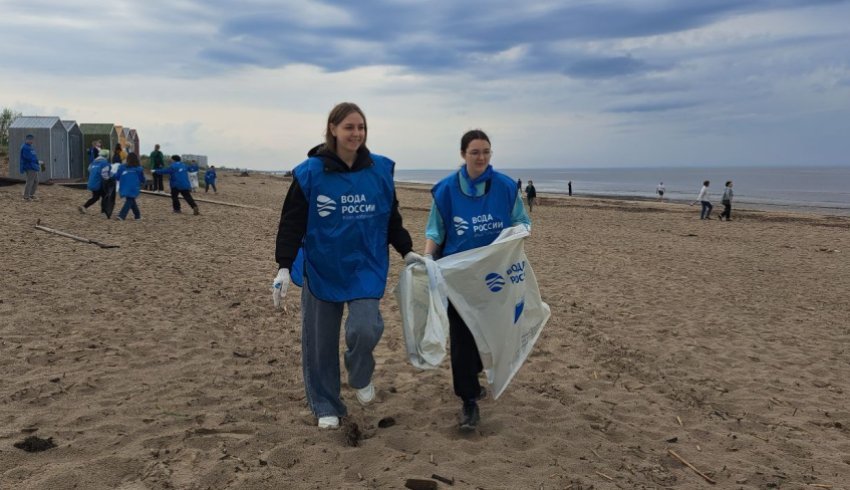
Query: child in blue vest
{"points": [[130, 177], [209, 179]]}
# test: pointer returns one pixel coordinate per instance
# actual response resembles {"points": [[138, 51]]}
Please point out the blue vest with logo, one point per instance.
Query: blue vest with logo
{"points": [[345, 251], [473, 222]]}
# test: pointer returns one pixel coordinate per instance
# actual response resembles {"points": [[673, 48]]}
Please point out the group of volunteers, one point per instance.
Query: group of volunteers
{"points": [[126, 174], [339, 217]]}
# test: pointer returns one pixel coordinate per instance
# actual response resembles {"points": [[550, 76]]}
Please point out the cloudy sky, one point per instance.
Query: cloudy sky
{"points": [[570, 83]]}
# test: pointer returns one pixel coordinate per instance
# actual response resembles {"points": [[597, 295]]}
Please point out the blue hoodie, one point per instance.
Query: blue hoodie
{"points": [[193, 167], [29, 161], [99, 170], [130, 180], [178, 176], [209, 176]]}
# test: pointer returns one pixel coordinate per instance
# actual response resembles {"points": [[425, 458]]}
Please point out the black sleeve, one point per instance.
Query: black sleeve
{"points": [[398, 237], [292, 227]]}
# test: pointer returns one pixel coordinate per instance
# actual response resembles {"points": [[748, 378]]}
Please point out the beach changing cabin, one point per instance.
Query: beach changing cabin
{"points": [[76, 157], [51, 144], [105, 132], [133, 140]]}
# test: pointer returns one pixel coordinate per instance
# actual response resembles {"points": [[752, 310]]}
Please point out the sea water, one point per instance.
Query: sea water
{"points": [[823, 190]]}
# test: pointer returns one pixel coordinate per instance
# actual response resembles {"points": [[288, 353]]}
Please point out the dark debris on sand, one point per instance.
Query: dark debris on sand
{"points": [[34, 444]]}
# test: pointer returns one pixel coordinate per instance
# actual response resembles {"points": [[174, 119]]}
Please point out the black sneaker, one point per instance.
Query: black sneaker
{"points": [[469, 417]]}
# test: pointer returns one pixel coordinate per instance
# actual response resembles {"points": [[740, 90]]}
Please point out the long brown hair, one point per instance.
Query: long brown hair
{"points": [[336, 116], [133, 160]]}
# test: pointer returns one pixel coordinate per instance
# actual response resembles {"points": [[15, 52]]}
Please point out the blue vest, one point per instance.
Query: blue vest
{"points": [[129, 180], [473, 222], [95, 178], [345, 250]]}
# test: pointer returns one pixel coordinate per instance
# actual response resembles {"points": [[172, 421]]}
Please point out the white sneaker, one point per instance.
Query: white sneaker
{"points": [[366, 395], [81, 209], [330, 422]]}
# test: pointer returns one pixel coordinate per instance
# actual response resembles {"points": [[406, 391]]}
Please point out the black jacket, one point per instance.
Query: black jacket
{"points": [[293, 216]]}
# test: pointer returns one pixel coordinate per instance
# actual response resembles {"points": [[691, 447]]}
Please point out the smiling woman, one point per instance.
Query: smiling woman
{"points": [[339, 216]]}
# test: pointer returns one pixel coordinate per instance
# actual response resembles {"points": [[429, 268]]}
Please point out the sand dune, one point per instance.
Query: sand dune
{"points": [[161, 364]]}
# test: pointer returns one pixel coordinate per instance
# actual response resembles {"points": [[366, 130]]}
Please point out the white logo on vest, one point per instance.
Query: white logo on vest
{"points": [[461, 225], [325, 205]]}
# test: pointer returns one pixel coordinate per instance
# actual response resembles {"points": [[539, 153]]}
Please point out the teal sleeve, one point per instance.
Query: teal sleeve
{"points": [[435, 229], [518, 215]]}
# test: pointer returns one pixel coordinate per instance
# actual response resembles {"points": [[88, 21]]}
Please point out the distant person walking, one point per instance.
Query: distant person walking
{"points": [[727, 202], [660, 191], [94, 151], [100, 171], [531, 195], [705, 199], [157, 162], [570, 188], [179, 182], [209, 179], [130, 177], [117, 156], [30, 166], [519, 185]]}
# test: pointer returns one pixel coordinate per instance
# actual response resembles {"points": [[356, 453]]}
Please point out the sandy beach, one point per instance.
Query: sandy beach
{"points": [[161, 364]]}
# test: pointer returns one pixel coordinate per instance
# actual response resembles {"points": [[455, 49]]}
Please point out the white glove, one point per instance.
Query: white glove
{"points": [[279, 286], [413, 258]]}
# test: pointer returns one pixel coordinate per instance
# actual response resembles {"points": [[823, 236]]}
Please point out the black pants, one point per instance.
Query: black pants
{"points": [[727, 210], [157, 182], [175, 203], [208, 185], [466, 362], [95, 195]]}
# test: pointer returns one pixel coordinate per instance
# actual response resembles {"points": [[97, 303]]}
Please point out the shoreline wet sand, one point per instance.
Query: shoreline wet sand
{"points": [[161, 364]]}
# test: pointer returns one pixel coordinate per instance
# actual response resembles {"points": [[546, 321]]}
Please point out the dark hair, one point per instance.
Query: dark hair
{"points": [[705, 182], [133, 160], [728, 182], [336, 116], [176, 158], [470, 136], [118, 146]]}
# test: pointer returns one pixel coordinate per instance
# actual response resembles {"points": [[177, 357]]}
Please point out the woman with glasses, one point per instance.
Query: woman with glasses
{"points": [[476, 193]]}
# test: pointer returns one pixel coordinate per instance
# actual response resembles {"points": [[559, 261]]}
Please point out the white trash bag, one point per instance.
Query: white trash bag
{"points": [[421, 295], [495, 291]]}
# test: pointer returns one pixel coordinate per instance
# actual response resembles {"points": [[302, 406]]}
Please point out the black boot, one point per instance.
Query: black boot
{"points": [[469, 416]]}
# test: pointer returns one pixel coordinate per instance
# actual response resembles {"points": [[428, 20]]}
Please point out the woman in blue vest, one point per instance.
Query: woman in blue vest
{"points": [[130, 177], [338, 218], [470, 208]]}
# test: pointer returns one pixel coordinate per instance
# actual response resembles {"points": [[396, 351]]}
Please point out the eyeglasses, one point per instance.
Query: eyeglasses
{"points": [[478, 153]]}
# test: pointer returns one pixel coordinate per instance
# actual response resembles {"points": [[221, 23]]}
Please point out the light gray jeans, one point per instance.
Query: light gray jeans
{"points": [[31, 185], [321, 321]]}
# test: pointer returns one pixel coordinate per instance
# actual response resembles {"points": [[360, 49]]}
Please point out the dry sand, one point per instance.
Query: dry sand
{"points": [[161, 364]]}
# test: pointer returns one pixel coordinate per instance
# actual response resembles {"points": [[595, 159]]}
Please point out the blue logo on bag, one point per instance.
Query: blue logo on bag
{"points": [[495, 282]]}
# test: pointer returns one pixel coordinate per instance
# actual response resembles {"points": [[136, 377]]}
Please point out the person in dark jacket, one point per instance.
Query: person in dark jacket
{"points": [[94, 151], [179, 182], [531, 195], [209, 179], [118, 154], [157, 162], [339, 216], [130, 177], [100, 171], [30, 166]]}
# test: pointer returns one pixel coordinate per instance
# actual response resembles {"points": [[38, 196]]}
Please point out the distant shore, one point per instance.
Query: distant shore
{"points": [[737, 206]]}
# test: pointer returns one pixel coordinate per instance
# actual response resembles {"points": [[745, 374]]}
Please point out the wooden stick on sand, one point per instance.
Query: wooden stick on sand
{"points": [[689, 465], [198, 199], [73, 237]]}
